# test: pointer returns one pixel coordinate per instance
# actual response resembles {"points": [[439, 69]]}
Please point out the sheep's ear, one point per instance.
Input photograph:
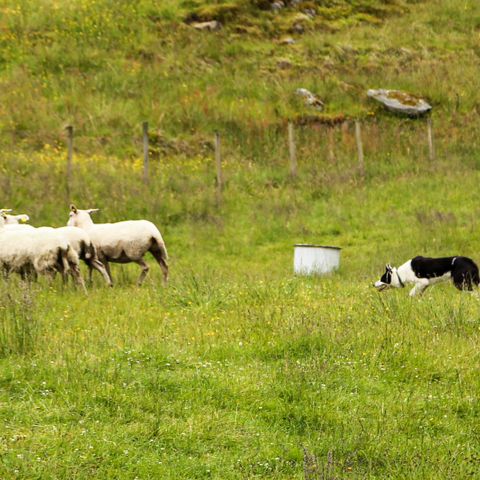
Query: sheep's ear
{"points": [[5, 210], [24, 218], [73, 208], [93, 210]]}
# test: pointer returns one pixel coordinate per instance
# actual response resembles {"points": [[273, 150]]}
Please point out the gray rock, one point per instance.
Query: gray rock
{"points": [[207, 26], [300, 22], [311, 99], [286, 41], [298, 28], [277, 5], [400, 102], [310, 12]]}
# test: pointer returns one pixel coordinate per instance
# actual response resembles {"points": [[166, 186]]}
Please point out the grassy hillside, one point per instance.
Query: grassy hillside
{"points": [[107, 66], [238, 369]]}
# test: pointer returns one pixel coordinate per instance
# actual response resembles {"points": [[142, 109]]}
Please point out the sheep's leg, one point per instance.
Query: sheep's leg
{"points": [[107, 269], [157, 254], [100, 267], [75, 272], [97, 265], [145, 269], [29, 275], [90, 273], [50, 276]]}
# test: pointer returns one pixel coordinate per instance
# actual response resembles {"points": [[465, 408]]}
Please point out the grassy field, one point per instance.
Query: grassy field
{"points": [[238, 369]]}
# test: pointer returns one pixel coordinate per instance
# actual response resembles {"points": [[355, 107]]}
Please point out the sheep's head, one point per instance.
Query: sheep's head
{"points": [[80, 218], [16, 219], [3, 215]]}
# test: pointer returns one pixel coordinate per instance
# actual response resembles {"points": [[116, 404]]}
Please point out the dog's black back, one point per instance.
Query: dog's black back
{"points": [[464, 270]]}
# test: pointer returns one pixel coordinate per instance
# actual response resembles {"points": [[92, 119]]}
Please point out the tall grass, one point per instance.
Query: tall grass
{"points": [[18, 320]]}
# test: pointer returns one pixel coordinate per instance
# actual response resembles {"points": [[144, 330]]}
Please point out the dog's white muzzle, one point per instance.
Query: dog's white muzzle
{"points": [[381, 286]]}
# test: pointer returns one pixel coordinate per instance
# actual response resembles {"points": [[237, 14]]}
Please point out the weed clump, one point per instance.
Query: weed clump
{"points": [[18, 323]]}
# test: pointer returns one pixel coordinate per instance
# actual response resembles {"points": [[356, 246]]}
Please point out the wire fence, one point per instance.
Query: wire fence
{"points": [[295, 146]]}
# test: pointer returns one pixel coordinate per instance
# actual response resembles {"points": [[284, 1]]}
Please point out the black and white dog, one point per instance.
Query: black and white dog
{"points": [[423, 272]]}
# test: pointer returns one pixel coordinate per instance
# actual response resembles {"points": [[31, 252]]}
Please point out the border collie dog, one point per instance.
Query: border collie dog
{"points": [[424, 271]]}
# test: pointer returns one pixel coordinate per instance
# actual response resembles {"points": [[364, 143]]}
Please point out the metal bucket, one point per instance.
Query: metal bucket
{"points": [[315, 259]]}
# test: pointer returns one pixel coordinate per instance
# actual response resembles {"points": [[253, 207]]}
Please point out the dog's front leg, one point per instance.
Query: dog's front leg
{"points": [[419, 288]]}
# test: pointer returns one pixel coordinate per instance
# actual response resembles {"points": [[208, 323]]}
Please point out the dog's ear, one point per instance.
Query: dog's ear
{"points": [[388, 267]]}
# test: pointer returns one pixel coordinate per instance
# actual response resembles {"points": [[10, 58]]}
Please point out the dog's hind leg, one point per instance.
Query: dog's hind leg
{"points": [[463, 280]]}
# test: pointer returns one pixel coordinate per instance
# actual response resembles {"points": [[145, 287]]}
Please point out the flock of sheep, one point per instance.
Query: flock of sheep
{"points": [[31, 251]]}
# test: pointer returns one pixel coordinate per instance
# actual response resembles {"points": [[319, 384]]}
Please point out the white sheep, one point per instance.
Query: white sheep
{"points": [[76, 237], [83, 245], [19, 227], [15, 249], [81, 242], [27, 251], [16, 222], [123, 242]]}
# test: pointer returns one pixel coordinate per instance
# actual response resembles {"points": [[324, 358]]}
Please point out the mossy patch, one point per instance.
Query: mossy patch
{"points": [[293, 18], [293, 22], [222, 13], [404, 98]]}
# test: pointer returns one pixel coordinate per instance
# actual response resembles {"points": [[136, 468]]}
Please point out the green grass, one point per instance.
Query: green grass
{"points": [[234, 380], [238, 369]]}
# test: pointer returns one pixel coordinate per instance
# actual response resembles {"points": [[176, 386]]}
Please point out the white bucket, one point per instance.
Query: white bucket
{"points": [[315, 259]]}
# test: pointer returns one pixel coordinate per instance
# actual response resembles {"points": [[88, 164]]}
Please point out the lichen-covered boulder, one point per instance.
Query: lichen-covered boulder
{"points": [[401, 102], [310, 98]]}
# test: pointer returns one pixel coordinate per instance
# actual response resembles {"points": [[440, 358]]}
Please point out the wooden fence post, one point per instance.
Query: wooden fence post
{"points": [[345, 135], [358, 138], [146, 165], [292, 149], [431, 146], [69, 130], [331, 144], [218, 164]]}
